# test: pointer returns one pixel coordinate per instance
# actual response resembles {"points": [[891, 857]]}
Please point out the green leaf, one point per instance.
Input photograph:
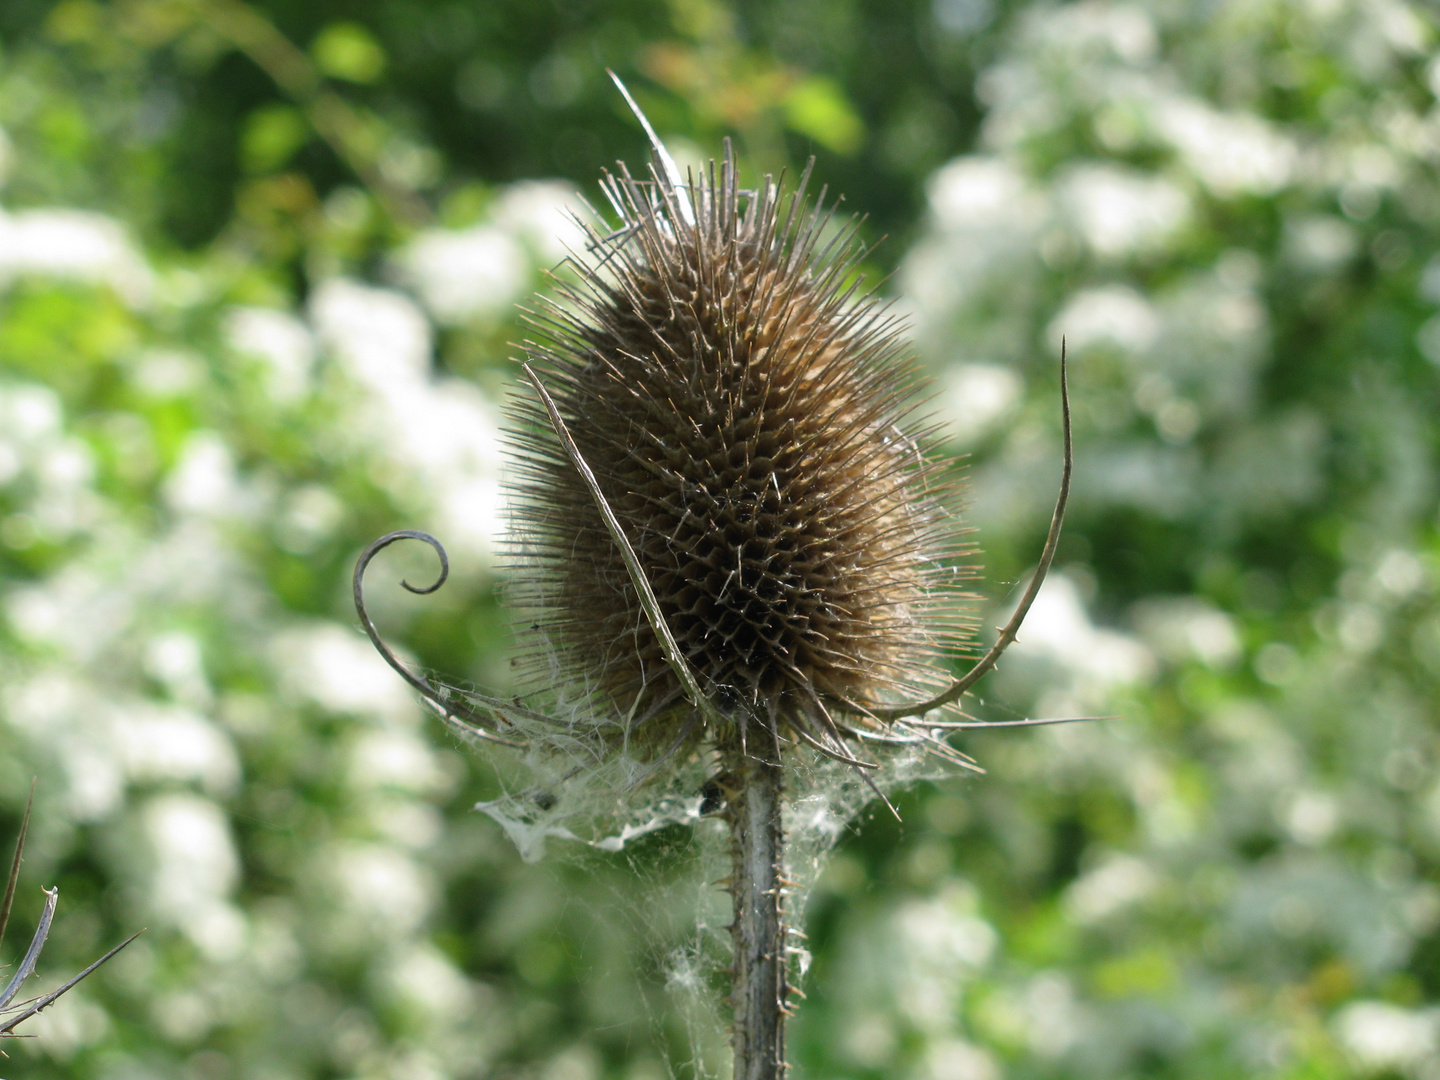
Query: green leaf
{"points": [[271, 136], [818, 109], [348, 51]]}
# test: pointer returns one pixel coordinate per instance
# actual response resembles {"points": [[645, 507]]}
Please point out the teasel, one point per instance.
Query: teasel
{"points": [[731, 533]]}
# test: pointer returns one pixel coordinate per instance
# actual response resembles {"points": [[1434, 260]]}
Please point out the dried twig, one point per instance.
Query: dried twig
{"points": [[12, 1017]]}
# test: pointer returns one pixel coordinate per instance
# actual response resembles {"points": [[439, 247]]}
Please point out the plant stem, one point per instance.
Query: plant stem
{"points": [[761, 986]]}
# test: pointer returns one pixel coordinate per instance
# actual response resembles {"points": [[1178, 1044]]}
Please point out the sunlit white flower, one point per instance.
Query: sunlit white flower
{"points": [[196, 867], [1182, 627], [1401, 572], [195, 856], [74, 244], [282, 341], [204, 481], [395, 758], [1118, 883], [60, 712], [1311, 817], [545, 215], [435, 437], [379, 335], [73, 610], [981, 193], [381, 888], [28, 412], [167, 373], [462, 274], [1232, 153], [1059, 628], [1125, 29], [976, 397], [1382, 1036], [309, 515], [1109, 313], [1120, 211], [1055, 1020], [425, 980], [1320, 241], [937, 939], [955, 1059], [339, 671], [155, 742]]}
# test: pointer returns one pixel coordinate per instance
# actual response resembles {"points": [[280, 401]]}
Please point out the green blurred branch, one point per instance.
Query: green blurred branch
{"points": [[354, 137]]}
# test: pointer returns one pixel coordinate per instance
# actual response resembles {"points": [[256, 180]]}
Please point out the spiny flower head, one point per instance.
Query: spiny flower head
{"points": [[746, 413]]}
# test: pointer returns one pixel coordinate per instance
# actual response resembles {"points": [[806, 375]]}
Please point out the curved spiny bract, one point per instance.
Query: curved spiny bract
{"points": [[744, 411]]}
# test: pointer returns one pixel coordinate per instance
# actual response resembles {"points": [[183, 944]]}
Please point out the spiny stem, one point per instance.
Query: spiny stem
{"points": [[761, 985]]}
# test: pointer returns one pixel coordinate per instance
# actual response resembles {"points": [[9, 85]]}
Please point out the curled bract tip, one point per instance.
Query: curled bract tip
{"points": [[470, 721]]}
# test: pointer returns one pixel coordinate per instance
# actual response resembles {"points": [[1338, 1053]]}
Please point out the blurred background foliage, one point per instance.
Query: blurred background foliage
{"points": [[258, 265]]}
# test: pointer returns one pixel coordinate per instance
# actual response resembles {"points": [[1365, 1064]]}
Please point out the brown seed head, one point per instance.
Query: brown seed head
{"points": [[743, 409]]}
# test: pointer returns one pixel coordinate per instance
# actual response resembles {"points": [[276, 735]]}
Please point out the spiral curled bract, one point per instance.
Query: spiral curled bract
{"points": [[743, 407]]}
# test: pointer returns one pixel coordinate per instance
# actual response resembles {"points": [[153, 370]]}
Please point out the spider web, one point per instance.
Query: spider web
{"points": [[572, 797]]}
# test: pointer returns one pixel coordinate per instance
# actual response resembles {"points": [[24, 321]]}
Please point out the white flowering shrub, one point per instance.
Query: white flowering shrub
{"points": [[254, 312], [1228, 215]]}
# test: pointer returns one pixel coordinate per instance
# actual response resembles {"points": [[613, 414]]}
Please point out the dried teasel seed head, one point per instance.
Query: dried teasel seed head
{"points": [[747, 413]]}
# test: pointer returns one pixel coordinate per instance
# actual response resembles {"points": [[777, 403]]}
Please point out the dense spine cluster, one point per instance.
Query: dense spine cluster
{"points": [[741, 408]]}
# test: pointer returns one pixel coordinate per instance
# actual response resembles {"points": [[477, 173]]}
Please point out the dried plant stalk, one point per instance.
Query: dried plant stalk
{"points": [[733, 538], [18, 1014], [760, 977]]}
